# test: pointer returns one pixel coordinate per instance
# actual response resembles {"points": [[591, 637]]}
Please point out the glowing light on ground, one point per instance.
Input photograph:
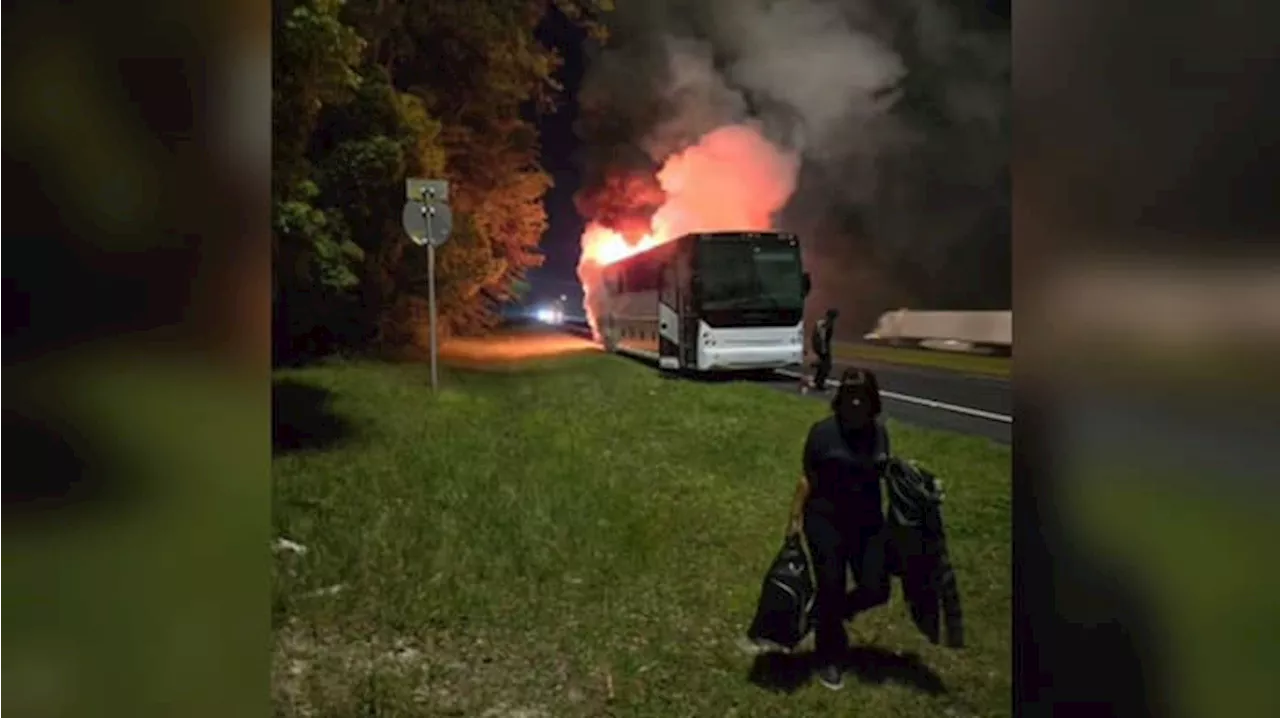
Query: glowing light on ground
{"points": [[511, 347]]}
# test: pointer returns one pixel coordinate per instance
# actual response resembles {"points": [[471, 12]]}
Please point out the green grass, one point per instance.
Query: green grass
{"points": [[955, 361], [579, 537]]}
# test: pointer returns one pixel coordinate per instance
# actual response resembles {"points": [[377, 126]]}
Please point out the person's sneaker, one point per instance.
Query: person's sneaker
{"points": [[831, 677]]}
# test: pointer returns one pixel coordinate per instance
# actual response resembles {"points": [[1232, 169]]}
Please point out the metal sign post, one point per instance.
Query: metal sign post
{"points": [[431, 303], [428, 221]]}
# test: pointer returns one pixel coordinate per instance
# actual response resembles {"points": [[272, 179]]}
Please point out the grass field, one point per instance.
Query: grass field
{"points": [[955, 361], [579, 537]]}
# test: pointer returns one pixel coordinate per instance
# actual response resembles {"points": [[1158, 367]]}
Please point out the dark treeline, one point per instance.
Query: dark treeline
{"points": [[367, 92]]}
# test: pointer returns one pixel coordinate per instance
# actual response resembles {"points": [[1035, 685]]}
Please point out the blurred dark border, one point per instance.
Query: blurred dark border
{"points": [[138, 229], [1085, 640], [136, 346], [137, 159], [1145, 136]]}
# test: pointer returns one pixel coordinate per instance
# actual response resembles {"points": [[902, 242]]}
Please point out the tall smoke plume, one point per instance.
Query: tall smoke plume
{"points": [[741, 114]]}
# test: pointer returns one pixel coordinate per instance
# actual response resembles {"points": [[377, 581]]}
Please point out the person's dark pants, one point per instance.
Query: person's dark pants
{"points": [[821, 370], [836, 550], [880, 562]]}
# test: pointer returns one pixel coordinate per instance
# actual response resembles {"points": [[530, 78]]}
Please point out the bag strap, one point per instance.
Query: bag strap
{"points": [[808, 556], [803, 542]]}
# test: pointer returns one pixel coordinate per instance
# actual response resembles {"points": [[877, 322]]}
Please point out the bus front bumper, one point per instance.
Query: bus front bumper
{"points": [[747, 358]]}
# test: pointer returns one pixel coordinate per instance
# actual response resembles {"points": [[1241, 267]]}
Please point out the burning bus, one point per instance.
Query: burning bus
{"points": [[711, 301]]}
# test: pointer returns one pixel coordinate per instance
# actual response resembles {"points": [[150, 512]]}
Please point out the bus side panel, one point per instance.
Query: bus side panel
{"points": [[608, 323], [638, 321], [624, 318], [648, 316]]}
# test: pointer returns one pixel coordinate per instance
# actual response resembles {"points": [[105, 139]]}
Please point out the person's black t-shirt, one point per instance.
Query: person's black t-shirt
{"points": [[840, 466]]}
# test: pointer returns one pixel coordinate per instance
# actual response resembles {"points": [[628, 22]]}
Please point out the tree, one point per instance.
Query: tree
{"points": [[479, 69], [314, 65], [314, 257], [362, 153], [372, 91]]}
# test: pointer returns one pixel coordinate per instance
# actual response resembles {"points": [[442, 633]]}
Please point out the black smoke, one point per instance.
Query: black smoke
{"points": [[899, 109]]}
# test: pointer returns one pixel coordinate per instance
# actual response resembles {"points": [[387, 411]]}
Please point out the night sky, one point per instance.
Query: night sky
{"points": [[561, 243]]}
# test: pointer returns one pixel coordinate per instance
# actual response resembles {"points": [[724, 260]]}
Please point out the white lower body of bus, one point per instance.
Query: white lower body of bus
{"points": [[704, 348], [746, 348]]}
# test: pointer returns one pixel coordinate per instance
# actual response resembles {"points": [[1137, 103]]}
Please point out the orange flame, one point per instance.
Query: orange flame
{"points": [[732, 179], [604, 246]]}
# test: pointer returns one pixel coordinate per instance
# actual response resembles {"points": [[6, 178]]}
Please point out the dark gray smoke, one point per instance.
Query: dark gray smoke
{"points": [[898, 108]]}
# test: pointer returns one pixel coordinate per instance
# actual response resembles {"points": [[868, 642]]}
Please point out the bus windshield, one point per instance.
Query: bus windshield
{"points": [[742, 274]]}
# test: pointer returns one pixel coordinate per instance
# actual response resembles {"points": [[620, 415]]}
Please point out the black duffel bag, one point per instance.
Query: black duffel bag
{"points": [[784, 616]]}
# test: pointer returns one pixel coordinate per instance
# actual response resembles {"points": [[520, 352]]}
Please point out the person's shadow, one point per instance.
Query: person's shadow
{"points": [[302, 418], [784, 673]]}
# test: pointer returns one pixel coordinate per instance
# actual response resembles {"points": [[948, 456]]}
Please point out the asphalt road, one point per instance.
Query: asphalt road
{"points": [[937, 399], [932, 398]]}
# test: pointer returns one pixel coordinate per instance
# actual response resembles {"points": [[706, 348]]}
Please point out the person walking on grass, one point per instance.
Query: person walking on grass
{"points": [[837, 507], [820, 343]]}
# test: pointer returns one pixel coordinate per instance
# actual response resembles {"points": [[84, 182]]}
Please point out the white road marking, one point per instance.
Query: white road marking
{"points": [[906, 398], [921, 401]]}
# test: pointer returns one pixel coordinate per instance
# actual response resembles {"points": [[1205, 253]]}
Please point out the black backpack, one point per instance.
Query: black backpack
{"points": [[784, 615]]}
